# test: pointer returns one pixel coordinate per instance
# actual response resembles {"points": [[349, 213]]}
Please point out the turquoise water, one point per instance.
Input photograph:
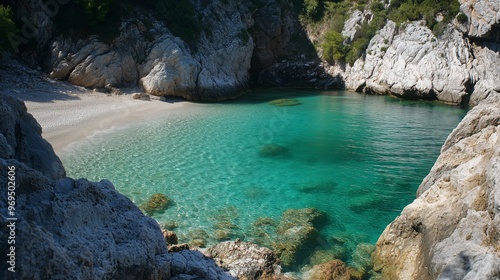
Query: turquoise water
{"points": [[358, 158]]}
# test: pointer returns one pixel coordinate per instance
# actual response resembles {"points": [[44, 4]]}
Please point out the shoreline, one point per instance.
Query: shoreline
{"points": [[69, 114], [68, 122]]}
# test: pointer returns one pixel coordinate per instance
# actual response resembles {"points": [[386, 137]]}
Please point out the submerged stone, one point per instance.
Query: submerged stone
{"points": [[362, 257], [157, 203], [273, 150], [297, 235], [327, 187], [335, 269], [323, 256], [285, 102]]}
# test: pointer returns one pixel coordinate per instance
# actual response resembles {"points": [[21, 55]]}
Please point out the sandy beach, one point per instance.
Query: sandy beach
{"points": [[69, 113]]}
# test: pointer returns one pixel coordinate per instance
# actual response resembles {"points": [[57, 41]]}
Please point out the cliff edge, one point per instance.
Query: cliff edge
{"points": [[452, 230]]}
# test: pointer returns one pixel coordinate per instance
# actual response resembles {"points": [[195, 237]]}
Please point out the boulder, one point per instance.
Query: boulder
{"points": [[333, 270], [245, 260]]}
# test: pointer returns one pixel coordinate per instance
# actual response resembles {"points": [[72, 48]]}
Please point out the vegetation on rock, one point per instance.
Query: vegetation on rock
{"points": [[7, 26]]}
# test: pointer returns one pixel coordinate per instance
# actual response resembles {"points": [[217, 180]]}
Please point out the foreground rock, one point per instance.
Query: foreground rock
{"points": [[451, 230], [76, 229], [20, 139], [245, 260]]}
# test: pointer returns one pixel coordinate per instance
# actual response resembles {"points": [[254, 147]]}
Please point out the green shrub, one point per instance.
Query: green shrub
{"points": [[85, 17], [96, 10], [333, 47], [462, 18], [409, 10], [7, 26], [180, 17]]}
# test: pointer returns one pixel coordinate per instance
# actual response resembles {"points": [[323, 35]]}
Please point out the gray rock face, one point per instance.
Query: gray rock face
{"points": [[245, 260], [415, 64], [351, 25], [451, 230], [170, 69], [20, 138], [162, 64], [186, 265], [484, 18]]}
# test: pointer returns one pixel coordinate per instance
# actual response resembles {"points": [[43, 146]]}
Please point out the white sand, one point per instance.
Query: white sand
{"points": [[69, 114], [68, 121]]}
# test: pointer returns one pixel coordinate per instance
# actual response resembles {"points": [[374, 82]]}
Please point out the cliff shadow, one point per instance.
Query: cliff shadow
{"points": [[284, 55]]}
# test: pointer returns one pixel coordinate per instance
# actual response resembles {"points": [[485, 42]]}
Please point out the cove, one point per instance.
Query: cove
{"points": [[232, 169]]}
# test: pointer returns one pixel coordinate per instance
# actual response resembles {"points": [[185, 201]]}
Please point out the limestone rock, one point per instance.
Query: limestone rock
{"points": [[484, 18], [451, 230], [225, 52], [485, 71], [170, 69], [351, 25], [415, 64], [244, 260], [188, 264], [22, 140]]}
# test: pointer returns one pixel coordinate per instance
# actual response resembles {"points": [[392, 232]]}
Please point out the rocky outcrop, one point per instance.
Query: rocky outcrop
{"points": [[456, 67], [215, 67], [484, 18], [21, 140], [451, 230], [245, 260], [415, 64]]}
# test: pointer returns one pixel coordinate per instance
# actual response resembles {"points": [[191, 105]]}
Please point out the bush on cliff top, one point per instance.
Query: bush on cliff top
{"points": [[7, 26]]}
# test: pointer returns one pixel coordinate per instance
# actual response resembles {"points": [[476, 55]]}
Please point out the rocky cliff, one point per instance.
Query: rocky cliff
{"points": [[235, 37], [263, 42], [454, 67]]}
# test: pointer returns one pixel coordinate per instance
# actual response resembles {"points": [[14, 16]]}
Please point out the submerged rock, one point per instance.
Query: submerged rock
{"points": [[361, 259], [327, 187], [170, 237], [157, 203], [273, 150], [197, 238], [285, 102], [245, 260], [297, 235]]}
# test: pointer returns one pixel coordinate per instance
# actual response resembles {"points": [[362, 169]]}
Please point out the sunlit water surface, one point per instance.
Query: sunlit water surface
{"points": [[357, 158]]}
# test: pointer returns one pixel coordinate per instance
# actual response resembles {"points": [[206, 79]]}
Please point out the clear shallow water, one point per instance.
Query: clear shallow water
{"points": [[357, 158]]}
